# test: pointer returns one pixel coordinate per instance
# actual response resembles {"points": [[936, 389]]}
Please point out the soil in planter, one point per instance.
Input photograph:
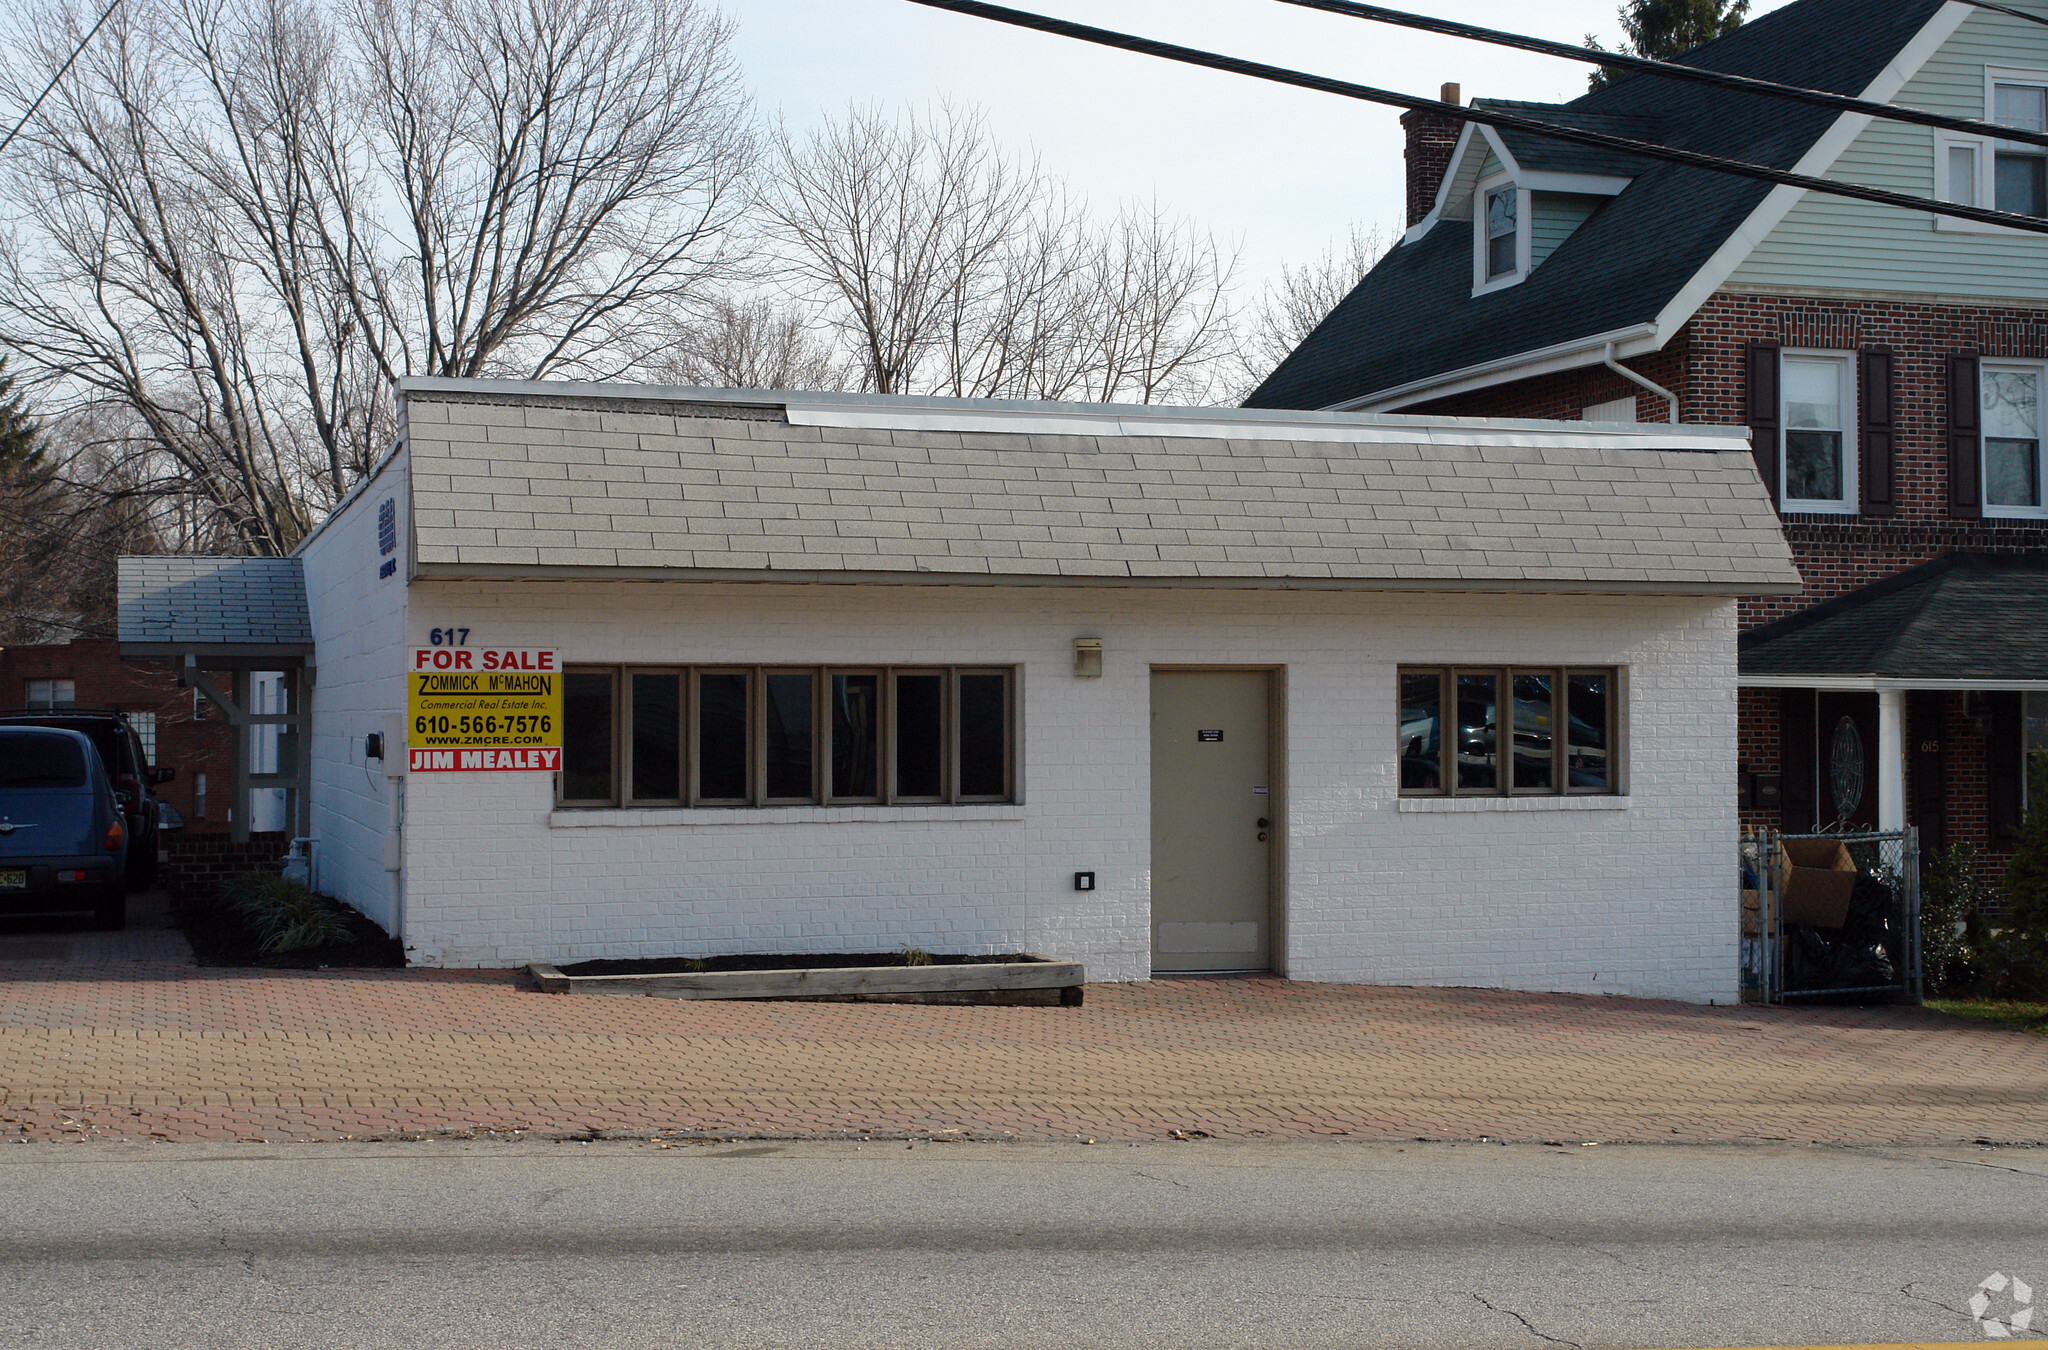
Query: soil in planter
{"points": [[787, 961], [219, 937]]}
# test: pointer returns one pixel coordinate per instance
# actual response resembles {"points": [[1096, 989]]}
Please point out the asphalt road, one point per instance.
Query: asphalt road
{"points": [[964, 1245]]}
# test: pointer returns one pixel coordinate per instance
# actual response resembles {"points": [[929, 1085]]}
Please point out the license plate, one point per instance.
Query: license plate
{"points": [[13, 878]]}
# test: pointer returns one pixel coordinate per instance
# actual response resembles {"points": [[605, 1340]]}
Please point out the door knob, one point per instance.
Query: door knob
{"points": [[1265, 824]]}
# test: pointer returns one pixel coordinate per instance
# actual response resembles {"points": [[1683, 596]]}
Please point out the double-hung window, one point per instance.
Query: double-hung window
{"points": [[1500, 235], [739, 736], [2011, 396], [1490, 731], [1817, 414]]}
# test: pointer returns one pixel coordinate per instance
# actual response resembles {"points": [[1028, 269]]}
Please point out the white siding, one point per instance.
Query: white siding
{"points": [[1834, 243], [1638, 900], [359, 629]]}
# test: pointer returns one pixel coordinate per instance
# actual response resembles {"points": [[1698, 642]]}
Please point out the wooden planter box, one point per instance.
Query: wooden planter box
{"points": [[1038, 981]]}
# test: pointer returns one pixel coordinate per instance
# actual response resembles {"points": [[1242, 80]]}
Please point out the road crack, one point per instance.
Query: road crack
{"points": [[1527, 1325]]}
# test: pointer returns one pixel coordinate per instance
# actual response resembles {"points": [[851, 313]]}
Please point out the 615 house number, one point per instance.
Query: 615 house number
{"points": [[448, 637]]}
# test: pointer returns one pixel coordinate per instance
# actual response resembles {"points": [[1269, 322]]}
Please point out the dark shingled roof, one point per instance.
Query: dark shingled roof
{"points": [[1964, 616], [1414, 315], [201, 602]]}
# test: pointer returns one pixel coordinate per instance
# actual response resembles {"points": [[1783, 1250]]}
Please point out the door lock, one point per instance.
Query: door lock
{"points": [[1264, 825]]}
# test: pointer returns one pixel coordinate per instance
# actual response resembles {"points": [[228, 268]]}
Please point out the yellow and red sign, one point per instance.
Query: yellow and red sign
{"points": [[484, 708]]}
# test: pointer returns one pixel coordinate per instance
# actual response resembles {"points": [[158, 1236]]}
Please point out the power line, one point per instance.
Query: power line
{"points": [[1672, 70], [1235, 65], [62, 71], [2008, 9]]}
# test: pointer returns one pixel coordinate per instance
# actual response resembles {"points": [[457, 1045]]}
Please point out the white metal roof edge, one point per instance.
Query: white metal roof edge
{"points": [[908, 412], [445, 571], [1866, 683]]}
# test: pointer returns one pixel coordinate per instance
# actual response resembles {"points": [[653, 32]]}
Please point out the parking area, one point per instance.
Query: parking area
{"points": [[120, 1035]]}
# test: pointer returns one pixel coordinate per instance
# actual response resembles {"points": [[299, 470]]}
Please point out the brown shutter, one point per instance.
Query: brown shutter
{"points": [[1762, 413], [2005, 761], [1874, 432], [1927, 766], [1965, 436], [1798, 786]]}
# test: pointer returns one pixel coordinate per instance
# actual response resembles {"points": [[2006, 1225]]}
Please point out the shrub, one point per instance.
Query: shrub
{"points": [[2015, 955], [1953, 898], [285, 916]]}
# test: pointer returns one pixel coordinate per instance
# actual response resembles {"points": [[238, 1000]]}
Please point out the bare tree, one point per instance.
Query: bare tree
{"points": [[1303, 297], [946, 265], [236, 222], [753, 343]]}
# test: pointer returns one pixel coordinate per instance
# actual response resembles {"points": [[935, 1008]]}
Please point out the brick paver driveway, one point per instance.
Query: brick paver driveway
{"points": [[122, 1035]]}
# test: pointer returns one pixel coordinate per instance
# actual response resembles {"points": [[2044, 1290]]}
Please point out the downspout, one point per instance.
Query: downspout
{"points": [[1618, 368]]}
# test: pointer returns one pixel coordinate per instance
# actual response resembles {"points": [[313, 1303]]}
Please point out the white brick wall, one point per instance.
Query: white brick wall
{"points": [[359, 637], [1637, 900]]}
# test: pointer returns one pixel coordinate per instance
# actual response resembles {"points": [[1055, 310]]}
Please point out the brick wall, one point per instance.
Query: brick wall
{"points": [[1431, 138], [104, 680], [195, 865], [1630, 895]]}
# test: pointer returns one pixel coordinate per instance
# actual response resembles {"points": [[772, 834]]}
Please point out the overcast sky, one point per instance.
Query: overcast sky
{"points": [[1279, 170]]}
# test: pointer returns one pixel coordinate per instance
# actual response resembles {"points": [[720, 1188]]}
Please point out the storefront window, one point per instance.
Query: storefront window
{"points": [[749, 736]]}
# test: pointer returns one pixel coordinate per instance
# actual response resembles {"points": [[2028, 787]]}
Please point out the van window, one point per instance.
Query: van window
{"points": [[28, 760]]}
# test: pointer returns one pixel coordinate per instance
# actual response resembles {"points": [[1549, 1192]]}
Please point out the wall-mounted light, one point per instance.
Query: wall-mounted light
{"points": [[1087, 658]]}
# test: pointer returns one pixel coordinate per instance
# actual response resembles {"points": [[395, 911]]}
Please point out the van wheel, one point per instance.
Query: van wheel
{"points": [[112, 911]]}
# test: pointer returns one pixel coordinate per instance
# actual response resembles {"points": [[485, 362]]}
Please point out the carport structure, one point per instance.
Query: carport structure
{"points": [[231, 617]]}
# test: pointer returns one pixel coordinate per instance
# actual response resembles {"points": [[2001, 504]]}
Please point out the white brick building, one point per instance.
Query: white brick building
{"points": [[1390, 699]]}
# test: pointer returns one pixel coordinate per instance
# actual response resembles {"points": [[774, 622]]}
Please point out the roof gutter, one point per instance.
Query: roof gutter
{"points": [[1618, 368], [1642, 337]]}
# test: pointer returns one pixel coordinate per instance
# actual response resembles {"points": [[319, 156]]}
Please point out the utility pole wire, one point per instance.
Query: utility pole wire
{"points": [[2008, 10], [1235, 65], [62, 70], [1672, 70]]}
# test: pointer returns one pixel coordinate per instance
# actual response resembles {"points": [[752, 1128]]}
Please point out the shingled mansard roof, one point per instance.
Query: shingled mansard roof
{"points": [[223, 605], [1635, 268], [601, 480], [1963, 616]]}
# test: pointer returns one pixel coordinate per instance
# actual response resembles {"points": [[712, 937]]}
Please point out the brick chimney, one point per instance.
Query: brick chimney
{"points": [[1431, 135]]}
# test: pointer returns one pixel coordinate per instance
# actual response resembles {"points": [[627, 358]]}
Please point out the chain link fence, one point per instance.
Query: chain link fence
{"points": [[1821, 923]]}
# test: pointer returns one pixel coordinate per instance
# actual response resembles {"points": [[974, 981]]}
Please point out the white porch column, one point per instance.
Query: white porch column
{"points": [[1891, 759]]}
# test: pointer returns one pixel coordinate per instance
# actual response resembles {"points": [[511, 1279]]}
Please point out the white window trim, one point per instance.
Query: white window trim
{"points": [[1851, 502], [1481, 285], [1987, 150], [2039, 370]]}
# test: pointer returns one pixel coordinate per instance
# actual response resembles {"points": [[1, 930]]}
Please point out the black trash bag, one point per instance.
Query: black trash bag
{"points": [[1854, 956]]}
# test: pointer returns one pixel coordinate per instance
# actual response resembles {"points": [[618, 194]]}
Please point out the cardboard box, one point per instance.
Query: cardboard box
{"points": [[1752, 914], [1815, 880]]}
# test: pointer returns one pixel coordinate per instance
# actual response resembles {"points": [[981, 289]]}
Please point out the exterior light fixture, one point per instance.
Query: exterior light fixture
{"points": [[1087, 658]]}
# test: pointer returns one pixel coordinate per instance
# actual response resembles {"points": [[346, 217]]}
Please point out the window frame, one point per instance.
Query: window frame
{"points": [[1483, 280], [627, 736], [1847, 410], [690, 714], [1503, 675], [1987, 148], [2039, 370], [616, 721]]}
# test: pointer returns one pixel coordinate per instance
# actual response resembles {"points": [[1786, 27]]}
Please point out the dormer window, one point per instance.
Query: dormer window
{"points": [[1501, 232]]}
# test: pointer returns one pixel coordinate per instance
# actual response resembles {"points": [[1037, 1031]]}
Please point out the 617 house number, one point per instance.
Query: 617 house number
{"points": [[447, 637]]}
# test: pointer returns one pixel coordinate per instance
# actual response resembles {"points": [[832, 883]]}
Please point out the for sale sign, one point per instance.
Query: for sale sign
{"points": [[484, 708]]}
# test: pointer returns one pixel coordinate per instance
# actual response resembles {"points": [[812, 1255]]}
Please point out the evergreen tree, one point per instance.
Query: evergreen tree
{"points": [[1660, 30], [21, 435]]}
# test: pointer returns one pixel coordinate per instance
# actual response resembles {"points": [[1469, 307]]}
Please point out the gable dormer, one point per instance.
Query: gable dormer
{"points": [[1521, 195]]}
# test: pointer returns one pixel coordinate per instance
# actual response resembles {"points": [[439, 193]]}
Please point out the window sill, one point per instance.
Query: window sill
{"points": [[1459, 805], [645, 817]]}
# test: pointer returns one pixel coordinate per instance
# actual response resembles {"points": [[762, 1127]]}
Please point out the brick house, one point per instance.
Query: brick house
{"points": [[178, 728], [1888, 364]]}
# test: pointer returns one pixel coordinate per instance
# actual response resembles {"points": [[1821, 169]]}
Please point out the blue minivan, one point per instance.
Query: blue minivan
{"points": [[63, 842]]}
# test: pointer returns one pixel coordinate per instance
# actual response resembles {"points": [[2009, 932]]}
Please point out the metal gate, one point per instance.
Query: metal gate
{"points": [[1875, 955]]}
